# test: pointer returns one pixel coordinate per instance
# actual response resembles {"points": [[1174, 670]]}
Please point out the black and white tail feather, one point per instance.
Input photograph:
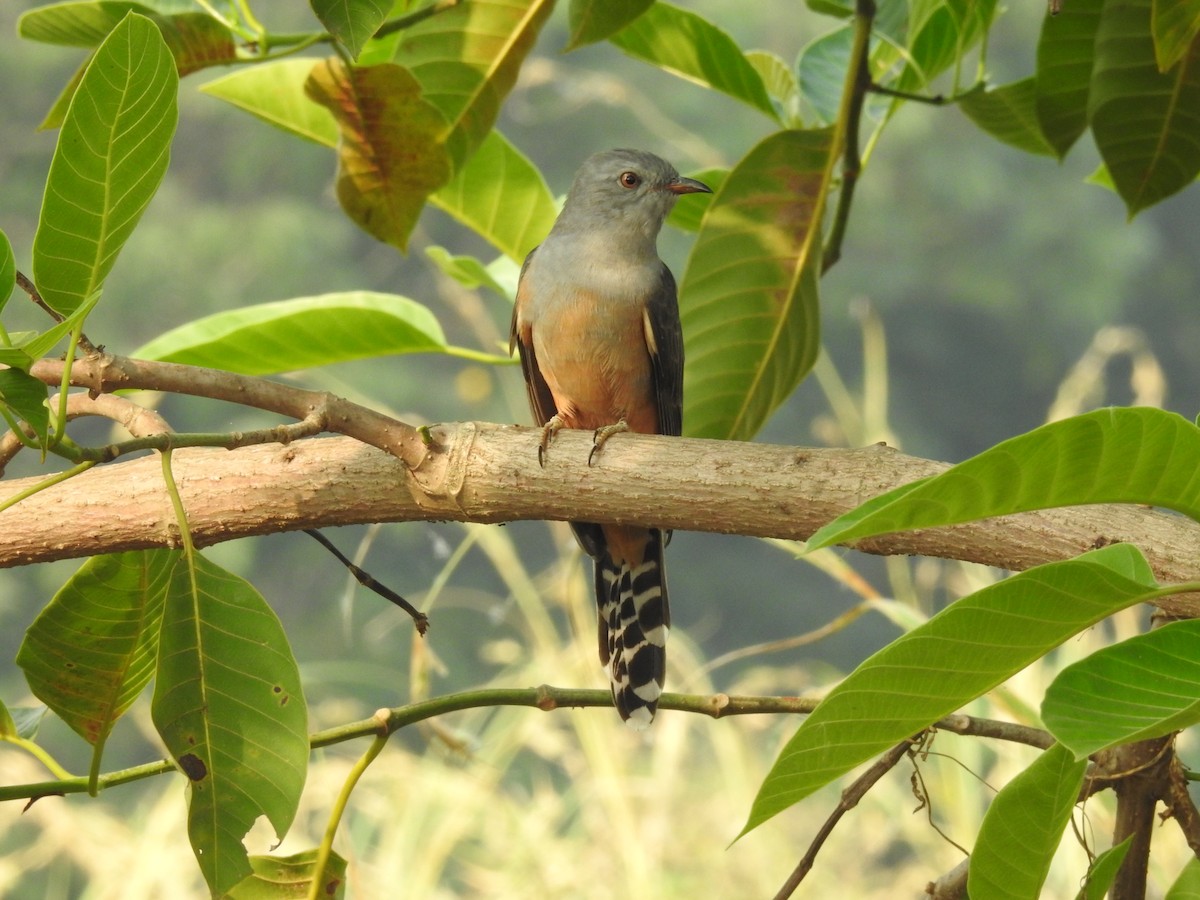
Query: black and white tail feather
{"points": [[634, 618]]}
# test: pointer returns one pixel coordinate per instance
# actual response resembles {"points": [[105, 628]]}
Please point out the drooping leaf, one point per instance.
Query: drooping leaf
{"points": [[959, 654], [595, 20], [1009, 113], [276, 877], [25, 396], [466, 59], [1176, 24], [229, 707], [391, 156], [274, 92], [1065, 54], [690, 46], [1139, 689], [1118, 455], [91, 651], [1144, 121], [302, 333], [748, 299], [1023, 828], [502, 196], [111, 156], [8, 270], [1103, 871], [352, 22]]}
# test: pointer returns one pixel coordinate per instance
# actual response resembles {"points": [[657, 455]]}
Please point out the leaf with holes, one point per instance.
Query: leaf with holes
{"points": [[111, 156], [229, 707], [277, 877]]}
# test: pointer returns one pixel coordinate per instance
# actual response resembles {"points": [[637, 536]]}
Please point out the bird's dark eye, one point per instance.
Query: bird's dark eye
{"points": [[629, 180]]}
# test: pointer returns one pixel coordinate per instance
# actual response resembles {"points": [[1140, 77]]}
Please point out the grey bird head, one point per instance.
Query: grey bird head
{"points": [[624, 190]]}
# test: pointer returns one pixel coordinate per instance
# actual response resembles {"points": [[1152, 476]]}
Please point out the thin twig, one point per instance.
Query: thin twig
{"points": [[368, 581], [850, 798]]}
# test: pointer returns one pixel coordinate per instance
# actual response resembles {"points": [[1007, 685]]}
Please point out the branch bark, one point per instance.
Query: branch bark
{"points": [[489, 473]]}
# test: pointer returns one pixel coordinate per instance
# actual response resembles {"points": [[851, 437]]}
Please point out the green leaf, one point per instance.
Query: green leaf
{"points": [[301, 333], [1144, 121], [1139, 689], [91, 651], [1065, 54], [274, 92], [466, 59], [748, 299], [1118, 455], [466, 270], [502, 196], [276, 877], [352, 22], [940, 33], [34, 346], [26, 396], [8, 271], [958, 655], [111, 156], [8, 727], [229, 707], [1103, 871], [1176, 24], [23, 722], [780, 81], [391, 156], [1023, 828], [688, 45], [1187, 885], [822, 70], [1009, 113], [595, 20]]}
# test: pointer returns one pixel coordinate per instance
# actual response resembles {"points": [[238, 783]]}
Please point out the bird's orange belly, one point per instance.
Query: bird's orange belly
{"points": [[597, 367]]}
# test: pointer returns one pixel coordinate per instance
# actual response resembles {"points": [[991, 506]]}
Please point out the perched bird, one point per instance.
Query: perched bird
{"points": [[597, 324]]}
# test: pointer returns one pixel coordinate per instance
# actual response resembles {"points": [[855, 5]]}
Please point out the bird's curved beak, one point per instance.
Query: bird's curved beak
{"points": [[683, 185]]}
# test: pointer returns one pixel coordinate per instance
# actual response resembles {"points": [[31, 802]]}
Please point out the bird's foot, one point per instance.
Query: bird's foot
{"points": [[601, 435], [551, 428]]}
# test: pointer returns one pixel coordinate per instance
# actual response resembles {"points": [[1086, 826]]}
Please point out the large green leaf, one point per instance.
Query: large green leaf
{"points": [[1176, 24], [228, 705], [1009, 113], [595, 20], [748, 299], [1187, 885], [1139, 689], [466, 59], [962, 652], [91, 651], [1065, 53], [690, 46], [274, 92], [1144, 121], [302, 333], [352, 22], [1023, 828], [1119, 455], [391, 156], [822, 73], [502, 196], [111, 156]]}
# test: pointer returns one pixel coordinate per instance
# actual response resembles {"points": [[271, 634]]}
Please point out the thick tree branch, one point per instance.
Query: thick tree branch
{"points": [[489, 473]]}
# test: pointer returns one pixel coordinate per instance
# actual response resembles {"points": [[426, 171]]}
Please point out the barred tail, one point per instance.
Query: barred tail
{"points": [[634, 619]]}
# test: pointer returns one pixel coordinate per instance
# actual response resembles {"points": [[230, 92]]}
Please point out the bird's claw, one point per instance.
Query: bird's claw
{"points": [[550, 429], [601, 435]]}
